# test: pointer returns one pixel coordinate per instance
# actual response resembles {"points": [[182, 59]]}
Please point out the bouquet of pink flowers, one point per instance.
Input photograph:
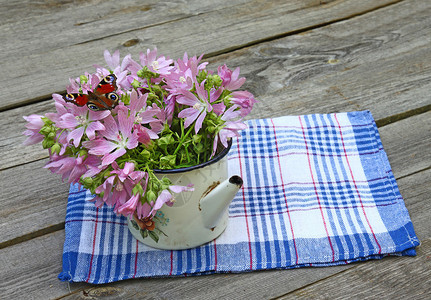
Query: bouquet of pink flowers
{"points": [[116, 126]]}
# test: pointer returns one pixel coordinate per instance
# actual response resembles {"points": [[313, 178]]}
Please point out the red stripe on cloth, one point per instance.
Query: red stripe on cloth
{"points": [[136, 259], [215, 256], [284, 192], [356, 187], [315, 190], [245, 208], [94, 245], [172, 262]]}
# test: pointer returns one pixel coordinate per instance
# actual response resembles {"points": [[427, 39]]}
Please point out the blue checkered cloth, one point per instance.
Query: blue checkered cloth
{"points": [[318, 191]]}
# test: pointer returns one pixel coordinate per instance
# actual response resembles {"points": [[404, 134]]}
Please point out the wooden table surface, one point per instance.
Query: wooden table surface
{"points": [[299, 57]]}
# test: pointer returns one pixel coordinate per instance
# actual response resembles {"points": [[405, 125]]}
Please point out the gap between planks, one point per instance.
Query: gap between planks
{"points": [[298, 31], [220, 52]]}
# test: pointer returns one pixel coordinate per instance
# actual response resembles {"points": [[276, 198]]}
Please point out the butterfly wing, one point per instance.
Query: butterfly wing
{"points": [[107, 85], [102, 98], [77, 99]]}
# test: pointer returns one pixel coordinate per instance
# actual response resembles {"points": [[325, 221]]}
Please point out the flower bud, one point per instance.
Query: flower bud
{"points": [[151, 196], [135, 84], [83, 152], [197, 138], [166, 182], [145, 154], [199, 148], [201, 76], [56, 148], [47, 143], [211, 129], [146, 73], [87, 181], [138, 189], [217, 80], [52, 135], [46, 121], [83, 79], [45, 130]]}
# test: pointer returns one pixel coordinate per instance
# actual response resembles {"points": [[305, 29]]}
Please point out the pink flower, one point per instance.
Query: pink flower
{"points": [[113, 60], [183, 76], [34, 125], [245, 100], [127, 171], [230, 79], [61, 107], [129, 208], [120, 70], [160, 65], [82, 120], [230, 128], [116, 138], [144, 114], [143, 210], [117, 188], [200, 105], [69, 167], [166, 196]]}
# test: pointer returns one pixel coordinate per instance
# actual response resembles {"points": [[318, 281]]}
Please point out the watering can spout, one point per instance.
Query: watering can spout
{"points": [[216, 202]]}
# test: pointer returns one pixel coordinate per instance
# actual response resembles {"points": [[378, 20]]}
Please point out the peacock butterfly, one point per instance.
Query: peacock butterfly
{"points": [[102, 98]]}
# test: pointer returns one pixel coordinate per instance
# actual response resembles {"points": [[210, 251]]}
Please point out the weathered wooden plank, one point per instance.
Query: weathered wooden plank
{"points": [[391, 278], [88, 21], [29, 270], [397, 140], [315, 72], [27, 12], [32, 199], [379, 61], [213, 32], [11, 141], [25, 277]]}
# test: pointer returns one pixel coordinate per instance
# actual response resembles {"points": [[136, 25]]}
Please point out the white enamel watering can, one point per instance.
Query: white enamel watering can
{"points": [[196, 217]]}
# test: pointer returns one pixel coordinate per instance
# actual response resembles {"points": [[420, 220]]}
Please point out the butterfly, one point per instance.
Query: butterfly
{"points": [[102, 98]]}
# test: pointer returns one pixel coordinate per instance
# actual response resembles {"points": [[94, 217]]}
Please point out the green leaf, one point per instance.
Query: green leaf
{"points": [[144, 233], [168, 162], [151, 196], [154, 236], [135, 225], [165, 141], [145, 154]]}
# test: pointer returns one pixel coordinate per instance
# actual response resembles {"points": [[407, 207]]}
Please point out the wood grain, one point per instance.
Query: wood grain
{"points": [[321, 71], [299, 57], [212, 33], [399, 138], [32, 199], [24, 277], [391, 278], [61, 25], [380, 61]]}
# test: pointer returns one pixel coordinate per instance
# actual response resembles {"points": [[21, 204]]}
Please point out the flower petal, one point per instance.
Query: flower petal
{"points": [[108, 159]]}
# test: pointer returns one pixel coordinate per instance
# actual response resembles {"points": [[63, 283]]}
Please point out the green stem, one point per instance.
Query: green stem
{"points": [[183, 139], [60, 134]]}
